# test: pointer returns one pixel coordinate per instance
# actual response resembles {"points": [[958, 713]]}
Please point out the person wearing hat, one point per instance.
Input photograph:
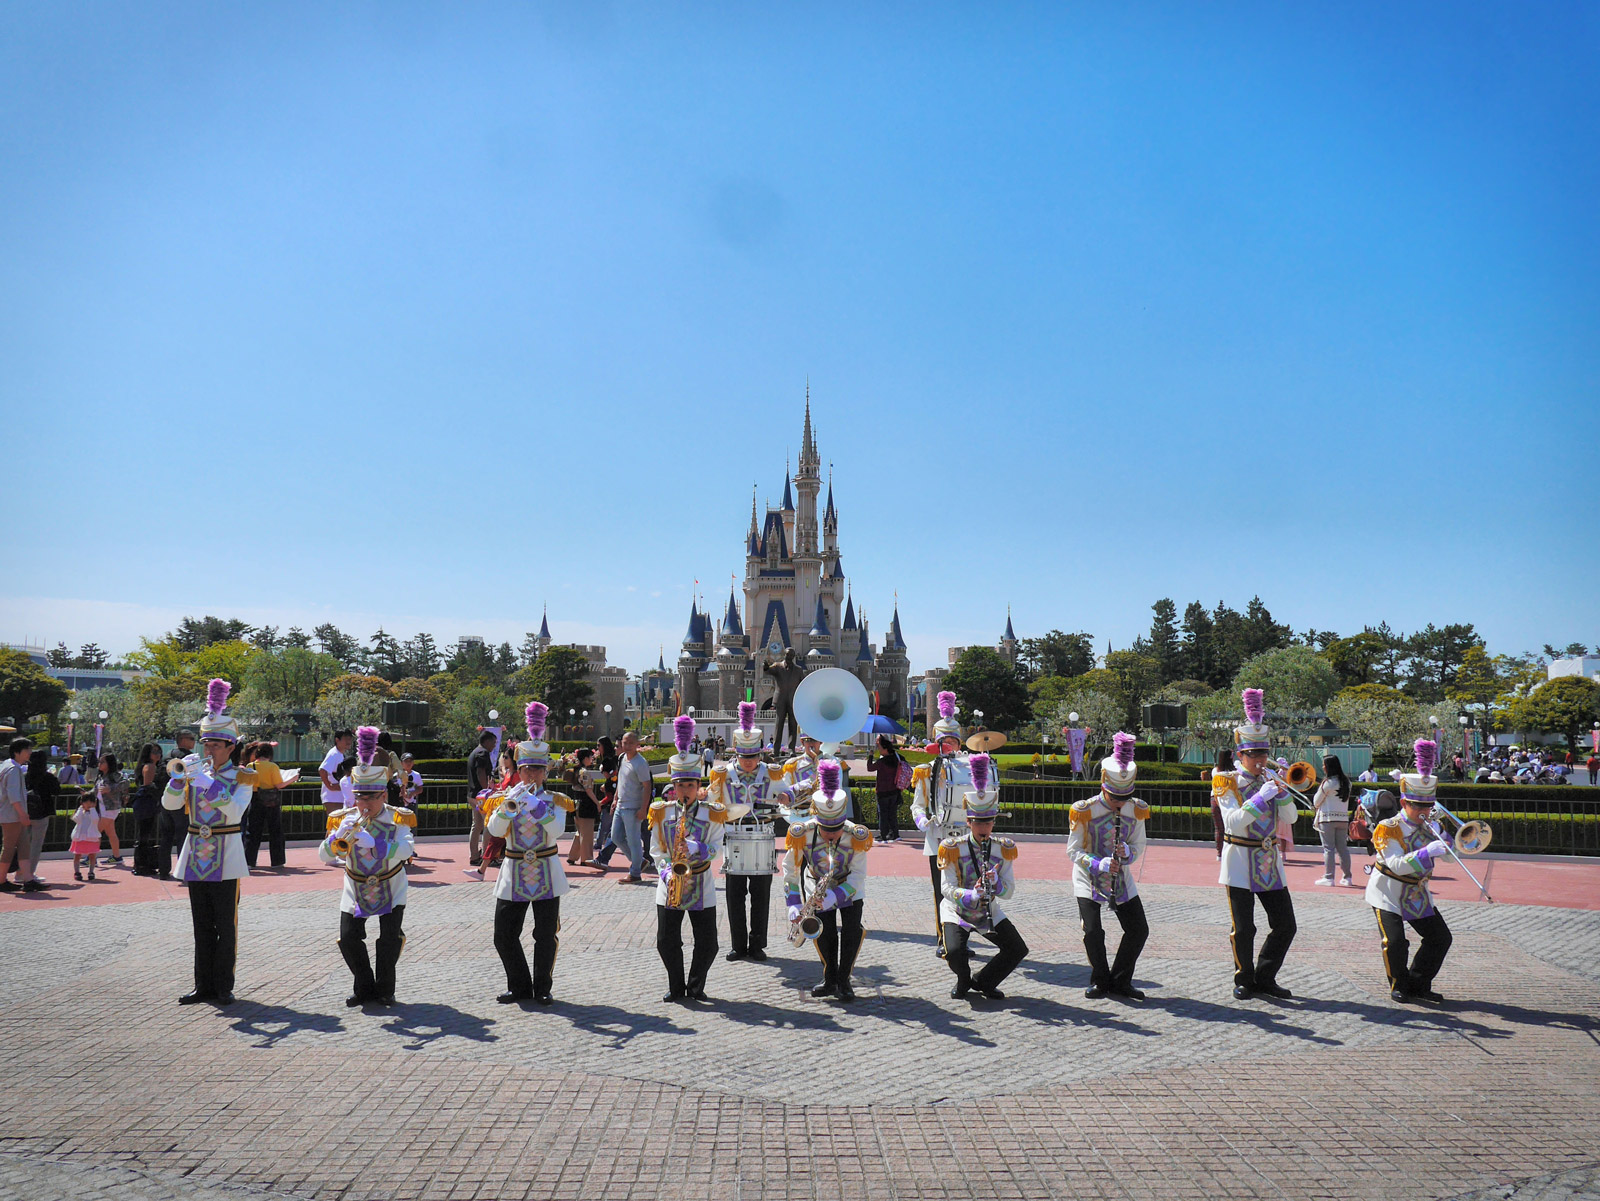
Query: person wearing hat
{"points": [[214, 794], [976, 875], [1108, 835], [686, 837], [802, 773], [937, 800], [1253, 805], [825, 870], [373, 842], [531, 819], [171, 824], [758, 789], [1407, 850]]}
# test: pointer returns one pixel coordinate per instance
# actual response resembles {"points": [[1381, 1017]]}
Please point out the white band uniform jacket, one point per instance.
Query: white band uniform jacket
{"points": [[961, 864], [703, 842], [939, 809], [1094, 836], [375, 874], [802, 773], [762, 790], [1257, 867], [1395, 842], [531, 822], [216, 800], [805, 863]]}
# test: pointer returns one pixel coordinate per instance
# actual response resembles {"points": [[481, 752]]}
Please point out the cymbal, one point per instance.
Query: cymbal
{"points": [[738, 810], [986, 740]]}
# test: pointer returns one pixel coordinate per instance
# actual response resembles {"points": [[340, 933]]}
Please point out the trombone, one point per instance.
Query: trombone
{"points": [[1474, 837], [1295, 778]]}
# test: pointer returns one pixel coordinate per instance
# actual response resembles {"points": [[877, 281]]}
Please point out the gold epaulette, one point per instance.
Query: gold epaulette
{"points": [[337, 816], [789, 768], [774, 772], [1385, 830], [405, 817], [563, 801], [1078, 815], [1222, 783], [658, 810], [1008, 848], [795, 839], [1141, 810], [949, 852], [718, 811], [920, 772], [860, 838]]}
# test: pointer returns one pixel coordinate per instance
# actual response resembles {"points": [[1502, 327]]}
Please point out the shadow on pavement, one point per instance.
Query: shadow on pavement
{"points": [[1054, 1013], [427, 1022], [274, 1023], [1270, 1023], [619, 1026], [800, 1016], [919, 1011]]}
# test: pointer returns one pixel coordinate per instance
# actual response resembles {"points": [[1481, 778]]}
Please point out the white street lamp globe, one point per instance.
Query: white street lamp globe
{"points": [[493, 713], [608, 708], [104, 715], [1072, 717], [572, 713], [1462, 720], [73, 715], [1433, 721]]}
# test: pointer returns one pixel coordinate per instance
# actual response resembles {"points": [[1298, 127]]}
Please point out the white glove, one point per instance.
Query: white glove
{"points": [[1436, 850], [347, 825], [794, 913], [1270, 791], [365, 840]]}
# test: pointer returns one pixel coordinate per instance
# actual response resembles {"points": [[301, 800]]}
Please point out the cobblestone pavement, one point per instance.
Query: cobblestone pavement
{"points": [[611, 1093]]}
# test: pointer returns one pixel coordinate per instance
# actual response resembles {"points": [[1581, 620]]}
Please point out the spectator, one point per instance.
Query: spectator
{"points": [[1594, 769], [172, 825], [391, 763], [634, 786], [43, 792], [264, 818], [14, 820], [886, 766], [410, 781], [1369, 776], [86, 830], [480, 778], [1332, 821], [1224, 764], [575, 771], [69, 771], [606, 764], [111, 791], [149, 781], [333, 797]]}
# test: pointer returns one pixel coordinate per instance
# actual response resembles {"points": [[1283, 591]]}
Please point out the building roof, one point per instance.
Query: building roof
{"points": [[864, 655], [819, 623], [544, 624], [730, 620], [1010, 635], [849, 614], [773, 536], [696, 626], [775, 628], [896, 640], [838, 569], [788, 496]]}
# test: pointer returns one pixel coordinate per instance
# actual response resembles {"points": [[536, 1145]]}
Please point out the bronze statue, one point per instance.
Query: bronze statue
{"points": [[786, 674]]}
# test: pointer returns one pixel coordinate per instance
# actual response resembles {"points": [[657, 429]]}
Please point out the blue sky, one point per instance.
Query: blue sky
{"points": [[439, 313]]}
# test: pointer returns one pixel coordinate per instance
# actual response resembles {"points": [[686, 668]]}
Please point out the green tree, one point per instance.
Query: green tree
{"points": [[421, 656], [297, 637], [463, 716], [1164, 646], [413, 689], [1389, 665], [90, 655], [1435, 654], [1259, 632], [1056, 654], [266, 638], [1355, 659], [60, 657], [374, 686], [1228, 644], [559, 678], [1100, 713], [1296, 679], [293, 675], [1560, 706], [331, 640], [1390, 726], [344, 709], [385, 656], [982, 680], [26, 689], [1370, 692], [195, 634], [1138, 676], [1196, 652]]}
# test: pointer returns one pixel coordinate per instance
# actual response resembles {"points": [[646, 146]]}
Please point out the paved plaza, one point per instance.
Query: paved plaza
{"points": [[116, 1091]]}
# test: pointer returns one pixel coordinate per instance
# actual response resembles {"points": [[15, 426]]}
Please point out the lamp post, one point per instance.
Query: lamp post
{"points": [[608, 721], [99, 734], [1466, 754], [72, 718]]}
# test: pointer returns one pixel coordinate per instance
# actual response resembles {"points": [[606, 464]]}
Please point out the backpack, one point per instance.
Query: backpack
{"points": [[902, 774]]}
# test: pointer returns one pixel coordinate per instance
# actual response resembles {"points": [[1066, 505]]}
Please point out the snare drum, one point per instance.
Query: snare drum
{"points": [[749, 850]]}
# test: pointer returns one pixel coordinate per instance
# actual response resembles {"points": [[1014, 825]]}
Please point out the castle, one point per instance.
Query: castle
{"points": [[795, 597]]}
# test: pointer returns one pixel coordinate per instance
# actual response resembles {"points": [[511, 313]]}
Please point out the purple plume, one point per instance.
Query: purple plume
{"points": [[980, 771], [828, 775], [947, 705], [682, 731], [1255, 707], [747, 716], [366, 743], [217, 695], [536, 715], [1427, 755], [1122, 749]]}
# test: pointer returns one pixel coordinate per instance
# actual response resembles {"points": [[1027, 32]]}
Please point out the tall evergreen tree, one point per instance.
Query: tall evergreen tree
{"points": [[1196, 654], [385, 657], [1163, 642]]}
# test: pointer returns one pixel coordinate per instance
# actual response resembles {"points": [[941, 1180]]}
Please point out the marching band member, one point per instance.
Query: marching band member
{"points": [[759, 786], [937, 790], [802, 773], [825, 879], [215, 794], [976, 876], [686, 837], [1252, 807], [530, 818], [1407, 851], [1108, 835], [373, 842]]}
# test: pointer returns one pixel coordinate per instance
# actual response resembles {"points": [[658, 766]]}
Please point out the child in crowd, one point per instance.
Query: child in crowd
{"points": [[85, 836]]}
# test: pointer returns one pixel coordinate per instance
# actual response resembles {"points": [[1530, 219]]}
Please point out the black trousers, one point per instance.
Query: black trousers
{"points": [[214, 906], [353, 946], [265, 823], [748, 935], [509, 917], [669, 945], [938, 895], [172, 827], [1436, 940], [888, 816], [1135, 932], [1011, 950], [1249, 970], [839, 941]]}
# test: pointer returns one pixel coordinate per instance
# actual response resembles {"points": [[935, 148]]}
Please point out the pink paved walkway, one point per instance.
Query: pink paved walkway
{"points": [[1563, 882]]}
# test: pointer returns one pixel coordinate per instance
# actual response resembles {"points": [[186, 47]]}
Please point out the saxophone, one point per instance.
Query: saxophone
{"points": [[680, 860], [808, 925]]}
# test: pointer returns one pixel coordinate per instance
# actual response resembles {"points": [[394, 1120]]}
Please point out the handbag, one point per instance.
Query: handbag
{"points": [[902, 774]]}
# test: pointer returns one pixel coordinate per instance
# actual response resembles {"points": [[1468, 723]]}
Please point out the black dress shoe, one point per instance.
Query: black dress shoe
{"points": [[511, 998], [384, 1000], [544, 998], [194, 998], [826, 989], [1401, 996], [846, 993], [758, 954], [1273, 989], [734, 956], [353, 1000], [1095, 991], [222, 998], [1428, 995], [1242, 992], [959, 991], [1127, 990], [672, 996], [697, 994], [993, 994], [939, 951]]}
